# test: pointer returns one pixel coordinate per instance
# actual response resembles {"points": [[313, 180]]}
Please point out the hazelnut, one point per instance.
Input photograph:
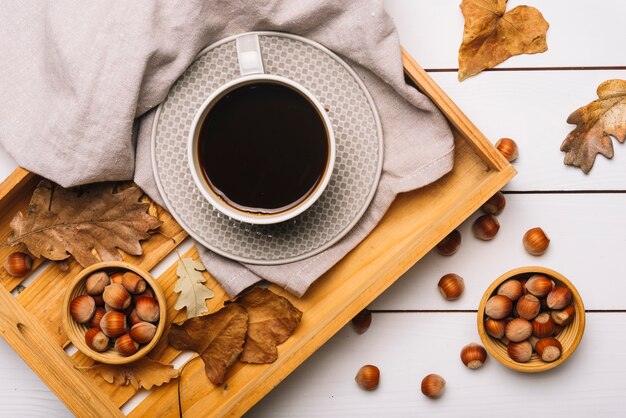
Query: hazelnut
{"points": [[498, 307], [113, 324], [539, 285], [133, 283], [518, 329], [142, 332], [368, 377], [508, 149], [536, 241], [450, 244], [147, 308], [512, 289], [528, 307], [361, 322], [451, 286], [116, 296], [495, 327], [82, 308], [520, 352], [564, 316], [548, 349], [125, 345], [559, 297], [96, 282], [96, 340], [433, 386], [97, 317], [18, 264], [473, 355], [543, 325], [495, 205], [486, 227]]}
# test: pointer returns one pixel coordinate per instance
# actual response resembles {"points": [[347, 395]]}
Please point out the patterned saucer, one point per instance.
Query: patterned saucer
{"points": [[358, 161]]}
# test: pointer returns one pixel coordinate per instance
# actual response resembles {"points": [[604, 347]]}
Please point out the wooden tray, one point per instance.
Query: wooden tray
{"points": [[31, 321]]}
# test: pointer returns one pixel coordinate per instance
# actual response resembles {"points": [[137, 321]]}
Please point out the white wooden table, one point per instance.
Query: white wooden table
{"points": [[414, 332]]}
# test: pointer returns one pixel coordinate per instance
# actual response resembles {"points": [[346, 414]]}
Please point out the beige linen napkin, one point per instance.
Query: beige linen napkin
{"points": [[78, 81]]}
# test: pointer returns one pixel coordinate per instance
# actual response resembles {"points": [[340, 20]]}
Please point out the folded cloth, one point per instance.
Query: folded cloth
{"points": [[80, 81]]}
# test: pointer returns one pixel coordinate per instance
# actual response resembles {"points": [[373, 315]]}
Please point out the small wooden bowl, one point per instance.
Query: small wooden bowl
{"points": [[569, 338], [76, 331]]}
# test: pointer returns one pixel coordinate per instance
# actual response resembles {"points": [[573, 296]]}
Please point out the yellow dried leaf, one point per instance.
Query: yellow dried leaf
{"points": [[190, 285], [491, 36], [595, 124], [144, 373]]}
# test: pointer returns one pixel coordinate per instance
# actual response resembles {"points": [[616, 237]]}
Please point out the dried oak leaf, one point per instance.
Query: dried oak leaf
{"points": [[595, 124], [218, 338], [60, 222], [271, 320], [491, 36], [190, 285], [144, 373]]}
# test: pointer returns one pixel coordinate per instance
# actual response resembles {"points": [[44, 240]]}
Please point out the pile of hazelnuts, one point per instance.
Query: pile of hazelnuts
{"points": [[120, 311], [528, 315]]}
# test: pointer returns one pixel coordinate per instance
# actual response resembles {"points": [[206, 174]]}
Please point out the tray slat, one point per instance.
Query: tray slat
{"points": [[412, 226]]}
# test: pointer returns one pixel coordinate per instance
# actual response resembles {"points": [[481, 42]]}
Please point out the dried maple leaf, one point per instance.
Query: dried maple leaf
{"points": [[193, 293], [490, 35], [218, 338], [595, 124], [271, 320], [144, 373], [63, 221]]}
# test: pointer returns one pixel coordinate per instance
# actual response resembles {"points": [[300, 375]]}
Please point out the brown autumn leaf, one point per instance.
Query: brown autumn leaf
{"points": [[271, 320], [218, 338], [491, 36], [78, 221], [595, 124], [144, 373]]}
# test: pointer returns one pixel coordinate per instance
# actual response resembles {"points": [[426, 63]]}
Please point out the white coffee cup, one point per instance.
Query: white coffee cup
{"points": [[252, 72]]}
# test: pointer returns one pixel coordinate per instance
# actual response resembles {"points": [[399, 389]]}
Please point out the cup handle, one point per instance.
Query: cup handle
{"points": [[249, 54]]}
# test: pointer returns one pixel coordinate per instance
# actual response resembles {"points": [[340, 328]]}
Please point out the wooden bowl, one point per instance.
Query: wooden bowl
{"points": [[76, 331], [569, 338]]}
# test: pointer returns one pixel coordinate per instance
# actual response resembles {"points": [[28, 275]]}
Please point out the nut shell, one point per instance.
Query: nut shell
{"points": [[564, 316], [473, 355], [495, 205], [433, 386], [498, 307], [450, 244], [116, 296], [528, 307], [147, 308], [143, 332], [368, 377], [486, 227], [548, 349], [495, 327], [451, 286], [133, 319], [512, 289], [82, 308], [18, 264], [116, 278], [518, 329], [559, 297], [539, 285], [133, 283], [362, 321], [96, 283], [536, 241], [113, 324], [543, 325], [97, 317], [508, 148], [126, 346], [520, 352], [96, 339]]}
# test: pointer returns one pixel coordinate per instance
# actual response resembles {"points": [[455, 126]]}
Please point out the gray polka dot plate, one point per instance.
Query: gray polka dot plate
{"points": [[358, 162]]}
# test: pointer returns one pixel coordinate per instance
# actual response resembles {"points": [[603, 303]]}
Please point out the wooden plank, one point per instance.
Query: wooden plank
{"points": [[584, 247], [533, 110], [30, 340], [361, 276], [408, 346], [431, 30]]}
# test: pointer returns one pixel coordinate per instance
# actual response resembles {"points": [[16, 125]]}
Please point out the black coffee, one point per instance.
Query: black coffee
{"points": [[263, 148]]}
